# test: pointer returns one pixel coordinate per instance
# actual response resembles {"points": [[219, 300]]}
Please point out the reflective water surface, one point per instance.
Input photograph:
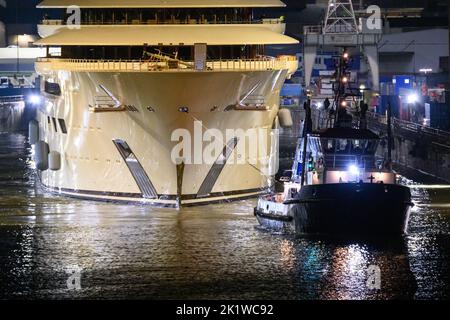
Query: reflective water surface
{"points": [[210, 252]]}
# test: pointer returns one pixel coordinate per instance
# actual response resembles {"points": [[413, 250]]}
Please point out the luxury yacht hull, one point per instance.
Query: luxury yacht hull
{"points": [[128, 154], [345, 209]]}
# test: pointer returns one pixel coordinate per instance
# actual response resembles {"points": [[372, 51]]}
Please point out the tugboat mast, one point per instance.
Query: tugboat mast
{"points": [[342, 90]]}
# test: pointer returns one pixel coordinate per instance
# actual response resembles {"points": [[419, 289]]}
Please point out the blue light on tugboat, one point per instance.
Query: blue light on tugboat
{"points": [[353, 169], [34, 99]]}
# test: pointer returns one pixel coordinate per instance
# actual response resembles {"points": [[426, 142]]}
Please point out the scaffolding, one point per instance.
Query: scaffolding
{"points": [[340, 17]]}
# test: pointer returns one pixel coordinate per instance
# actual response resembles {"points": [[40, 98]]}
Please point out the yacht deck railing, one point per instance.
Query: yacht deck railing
{"points": [[59, 22], [259, 64]]}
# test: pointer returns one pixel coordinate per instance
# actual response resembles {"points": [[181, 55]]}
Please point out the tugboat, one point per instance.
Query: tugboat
{"points": [[337, 185]]}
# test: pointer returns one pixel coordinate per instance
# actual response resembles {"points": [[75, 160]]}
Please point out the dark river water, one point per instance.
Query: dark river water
{"points": [[210, 252]]}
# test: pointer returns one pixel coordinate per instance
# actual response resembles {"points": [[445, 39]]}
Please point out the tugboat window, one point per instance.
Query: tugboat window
{"points": [[329, 145], [343, 146], [372, 146], [359, 146]]}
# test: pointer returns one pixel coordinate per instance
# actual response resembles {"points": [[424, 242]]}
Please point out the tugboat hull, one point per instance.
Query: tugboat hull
{"points": [[352, 209], [345, 209]]}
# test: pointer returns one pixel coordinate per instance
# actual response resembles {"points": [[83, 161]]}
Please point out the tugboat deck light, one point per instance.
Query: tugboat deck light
{"points": [[353, 169], [34, 99]]}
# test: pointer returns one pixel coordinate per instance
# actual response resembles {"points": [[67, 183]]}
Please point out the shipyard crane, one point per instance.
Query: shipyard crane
{"points": [[342, 29]]}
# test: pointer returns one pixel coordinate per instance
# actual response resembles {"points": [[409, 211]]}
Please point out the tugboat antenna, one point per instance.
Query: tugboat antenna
{"points": [[341, 84], [389, 134]]}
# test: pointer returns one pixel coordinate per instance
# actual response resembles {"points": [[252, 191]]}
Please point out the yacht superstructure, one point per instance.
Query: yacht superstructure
{"points": [[133, 73]]}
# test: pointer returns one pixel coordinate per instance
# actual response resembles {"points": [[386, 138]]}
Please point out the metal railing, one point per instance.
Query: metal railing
{"points": [[344, 161], [339, 29], [317, 29], [409, 126], [52, 22], [11, 99], [148, 66], [55, 22]]}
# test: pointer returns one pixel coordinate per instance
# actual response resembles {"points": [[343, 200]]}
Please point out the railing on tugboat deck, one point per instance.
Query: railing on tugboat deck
{"points": [[365, 162], [260, 64]]}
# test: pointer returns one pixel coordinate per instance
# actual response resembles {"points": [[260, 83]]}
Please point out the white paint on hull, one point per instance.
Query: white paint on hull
{"points": [[91, 162]]}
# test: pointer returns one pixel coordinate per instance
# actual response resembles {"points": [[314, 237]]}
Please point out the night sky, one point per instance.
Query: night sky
{"points": [[21, 16]]}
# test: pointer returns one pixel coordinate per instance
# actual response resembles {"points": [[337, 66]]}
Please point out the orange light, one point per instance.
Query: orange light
{"points": [[344, 103], [344, 79], [346, 55]]}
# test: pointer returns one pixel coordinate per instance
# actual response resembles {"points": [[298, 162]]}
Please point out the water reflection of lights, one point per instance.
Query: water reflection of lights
{"points": [[288, 254], [148, 252], [434, 186], [347, 273], [316, 265], [433, 205], [356, 259], [351, 259]]}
